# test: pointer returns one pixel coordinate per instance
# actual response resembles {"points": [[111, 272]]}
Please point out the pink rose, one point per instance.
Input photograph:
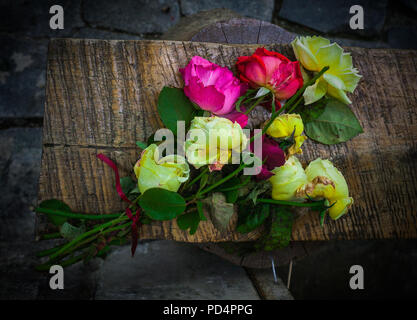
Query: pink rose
{"points": [[271, 70], [212, 88]]}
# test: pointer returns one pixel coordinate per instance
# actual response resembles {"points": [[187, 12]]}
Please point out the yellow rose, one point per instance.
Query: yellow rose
{"points": [[326, 181], [284, 125], [211, 140], [315, 53], [167, 173], [288, 180]]}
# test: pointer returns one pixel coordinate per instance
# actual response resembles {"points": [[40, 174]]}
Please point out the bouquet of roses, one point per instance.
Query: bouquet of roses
{"points": [[213, 156]]}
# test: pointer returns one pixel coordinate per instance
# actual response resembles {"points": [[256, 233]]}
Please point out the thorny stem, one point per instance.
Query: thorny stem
{"points": [[77, 215], [214, 185], [196, 178], [291, 203]]}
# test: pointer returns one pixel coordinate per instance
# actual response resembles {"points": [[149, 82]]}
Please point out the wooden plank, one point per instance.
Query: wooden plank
{"points": [[101, 97]]}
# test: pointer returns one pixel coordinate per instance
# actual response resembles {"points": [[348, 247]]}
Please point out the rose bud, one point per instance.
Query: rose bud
{"points": [[315, 53], [285, 126], [213, 88], [271, 70], [168, 172], [288, 180], [211, 140], [325, 181]]}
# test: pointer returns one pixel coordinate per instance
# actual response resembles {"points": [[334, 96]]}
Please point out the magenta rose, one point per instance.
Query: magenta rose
{"points": [[272, 156], [213, 88]]}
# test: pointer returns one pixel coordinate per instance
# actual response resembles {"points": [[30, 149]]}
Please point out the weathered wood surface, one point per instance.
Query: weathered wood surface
{"points": [[101, 97]]}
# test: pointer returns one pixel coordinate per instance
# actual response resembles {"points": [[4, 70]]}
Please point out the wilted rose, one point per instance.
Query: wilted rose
{"points": [[326, 181]]}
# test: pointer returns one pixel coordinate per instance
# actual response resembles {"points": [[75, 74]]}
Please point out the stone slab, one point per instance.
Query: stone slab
{"points": [[261, 9], [138, 17], [169, 270], [331, 16], [31, 18], [22, 76]]}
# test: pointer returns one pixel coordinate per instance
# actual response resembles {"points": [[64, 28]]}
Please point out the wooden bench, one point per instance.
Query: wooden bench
{"points": [[101, 98]]}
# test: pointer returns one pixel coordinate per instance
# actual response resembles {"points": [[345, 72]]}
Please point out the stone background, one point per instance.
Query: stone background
{"points": [[163, 269]]}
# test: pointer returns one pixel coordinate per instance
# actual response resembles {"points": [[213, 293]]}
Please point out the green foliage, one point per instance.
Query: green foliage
{"points": [[173, 106], [127, 184], [189, 220], [70, 232], [142, 145], [230, 189], [251, 217], [54, 204], [219, 210], [258, 189], [161, 204], [200, 210], [279, 234], [334, 124], [312, 111]]}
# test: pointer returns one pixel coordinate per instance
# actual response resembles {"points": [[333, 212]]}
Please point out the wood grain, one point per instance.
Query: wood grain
{"points": [[101, 98]]}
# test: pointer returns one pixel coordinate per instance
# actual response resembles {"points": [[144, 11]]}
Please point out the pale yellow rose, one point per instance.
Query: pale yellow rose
{"points": [[167, 173]]}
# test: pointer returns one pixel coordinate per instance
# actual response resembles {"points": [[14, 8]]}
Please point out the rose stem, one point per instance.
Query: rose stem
{"points": [[257, 102], [291, 100], [222, 180], [291, 203], [196, 178], [47, 252], [295, 105], [77, 215], [86, 241], [88, 233], [49, 236]]}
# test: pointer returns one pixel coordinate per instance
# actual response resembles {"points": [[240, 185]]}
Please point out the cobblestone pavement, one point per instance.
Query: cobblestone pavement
{"points": [[24, 35]]}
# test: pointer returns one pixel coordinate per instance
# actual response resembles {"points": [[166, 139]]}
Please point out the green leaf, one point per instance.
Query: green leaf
{"points": [[151, 139], [142, 145], [251, 218], [70, 232], [200, 210], [280, 230], [219, 210], [173, 106], [55, 204], [127, 184], [312, 111], [259, 188], [203, 182], [231, 195], [189, 220], [161, 204], [336, 124]]}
